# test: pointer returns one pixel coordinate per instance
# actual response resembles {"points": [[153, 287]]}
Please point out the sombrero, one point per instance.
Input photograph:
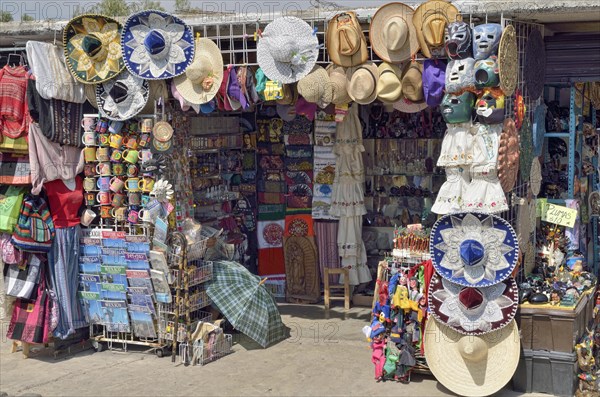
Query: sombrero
{"points": [[473, 311], [473, 249], [156, 45], [346, 43], [508, 60], [430, 20], [287, 50], [203, 77], [392, 34], [534, 69], [508, 155], [472, 365], [123, 97], [92, 48]]}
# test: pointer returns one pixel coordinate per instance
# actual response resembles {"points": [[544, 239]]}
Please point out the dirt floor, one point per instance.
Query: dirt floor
{"points": [[326, 355]]}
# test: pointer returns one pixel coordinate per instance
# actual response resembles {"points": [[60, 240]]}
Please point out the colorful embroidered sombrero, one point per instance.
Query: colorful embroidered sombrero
{"points": [[157, 45], [473, 311], [93, 48], [474, 249]]}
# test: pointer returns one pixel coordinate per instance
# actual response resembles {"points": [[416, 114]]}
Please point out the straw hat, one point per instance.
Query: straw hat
{"points": [[203, 77], [362, 83], [474, 249], [389, 86], [345, 40], [413, 98], [534, 69], [508, 155], [316, 87], [430, 20], [337, 76], [92, 48], [287, 50], [392, 34], [508, 60], [157, 45], [472, 365], [122, 97], [473, 311]]}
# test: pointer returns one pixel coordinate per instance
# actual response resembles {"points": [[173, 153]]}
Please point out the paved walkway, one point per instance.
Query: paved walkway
{"points": [[326, 356]]}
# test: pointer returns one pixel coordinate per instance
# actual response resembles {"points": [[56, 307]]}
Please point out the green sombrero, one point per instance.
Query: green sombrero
{"points": [[93, 48]]}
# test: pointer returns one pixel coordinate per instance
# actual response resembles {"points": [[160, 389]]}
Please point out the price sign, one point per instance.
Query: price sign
{"points": [[560, 215]]}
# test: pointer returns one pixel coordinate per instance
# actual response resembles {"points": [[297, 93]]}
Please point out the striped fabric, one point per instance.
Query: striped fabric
{"points": [[35, 229], [246, 303], [326, 238]]}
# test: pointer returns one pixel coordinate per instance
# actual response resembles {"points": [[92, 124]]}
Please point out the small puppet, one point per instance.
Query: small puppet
{"points": [[378, 350]]}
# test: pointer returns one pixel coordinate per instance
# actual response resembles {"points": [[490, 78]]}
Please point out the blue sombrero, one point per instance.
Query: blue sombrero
{"points": [[473, 249], [156, 45]]}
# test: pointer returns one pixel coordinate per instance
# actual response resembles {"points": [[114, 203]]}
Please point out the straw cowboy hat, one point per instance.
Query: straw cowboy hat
{"points": [[392, 34], [389, 85], [474, 249], [472, 365], [473, 311], [413, 98], [316, 87], [508, 61], [92, 48], [287, 50], [337, 76], [122, 97], [156, 45], [203, 77], [430, 20], [362, 83], [345, 40]]}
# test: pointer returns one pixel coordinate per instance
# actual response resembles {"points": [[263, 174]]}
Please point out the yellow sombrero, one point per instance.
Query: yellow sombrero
{"points": [[93, 48]]}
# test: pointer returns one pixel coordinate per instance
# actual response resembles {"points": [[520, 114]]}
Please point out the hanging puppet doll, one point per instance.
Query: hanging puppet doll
{"points": [[378, 350]]}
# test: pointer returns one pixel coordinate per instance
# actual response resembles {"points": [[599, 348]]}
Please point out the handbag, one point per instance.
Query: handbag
{"points": [[30, 321], [21, 279], [34, 231]]}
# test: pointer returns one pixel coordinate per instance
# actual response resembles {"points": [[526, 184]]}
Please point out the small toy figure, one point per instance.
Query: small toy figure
{"points": [[414, 288], [378, 346]]}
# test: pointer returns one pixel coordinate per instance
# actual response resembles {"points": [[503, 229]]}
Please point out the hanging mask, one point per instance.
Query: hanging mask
{"points": [[457, 108], [458, 40], [459, 74], [486, 39], [486, 73], [490, 109]]}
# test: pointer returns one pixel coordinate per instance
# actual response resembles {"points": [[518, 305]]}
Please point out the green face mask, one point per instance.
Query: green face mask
{"points": [[457, 108], [486, 73]]}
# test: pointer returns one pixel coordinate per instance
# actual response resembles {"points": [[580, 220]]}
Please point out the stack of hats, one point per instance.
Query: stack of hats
{"points": [[472, 343], [481, 71]]}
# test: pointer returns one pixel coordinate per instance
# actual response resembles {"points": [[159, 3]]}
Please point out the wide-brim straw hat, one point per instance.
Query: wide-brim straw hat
{"points": [[345, 41], [316, 87], [389, 85], [287, 50], [122, 97], [362, 83], [204, 75], [472, 365], [473, 311], [413, 97], [534, 69], [337, 76], [92, 46], [392, 35], [430, 20], [156, 45], [474, 249], [508, 60]]}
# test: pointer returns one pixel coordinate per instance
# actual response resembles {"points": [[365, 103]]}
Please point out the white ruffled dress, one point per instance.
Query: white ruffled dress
{"points": [[453, 192], [457, 146], [484, 193]]}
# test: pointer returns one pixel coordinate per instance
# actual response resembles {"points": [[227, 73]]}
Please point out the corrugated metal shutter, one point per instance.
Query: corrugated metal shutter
{"points": [[572, 58]]}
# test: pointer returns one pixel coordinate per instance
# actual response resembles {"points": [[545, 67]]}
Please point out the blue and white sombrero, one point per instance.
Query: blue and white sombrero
{"points": [[473, 249], [156, 45]]}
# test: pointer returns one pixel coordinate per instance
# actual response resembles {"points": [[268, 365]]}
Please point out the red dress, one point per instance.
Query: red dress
{"points": [[64, 203], [13, 101]]}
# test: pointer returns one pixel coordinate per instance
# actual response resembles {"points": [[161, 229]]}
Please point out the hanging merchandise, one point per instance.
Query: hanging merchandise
{"points": [[287, 50], [156, 45], [392, 34], [508, 60], [486, 40], [92, 48], [362, 83], [430, 20], [14, 117], [490, 107], [459, 75], [413, 98], [508, 155], [389, 86], [535, 65], [34, 231], [316, 87], [434, 76], [345, 41], [337, 76], [458, 40], [486, 72], [123, 97]]}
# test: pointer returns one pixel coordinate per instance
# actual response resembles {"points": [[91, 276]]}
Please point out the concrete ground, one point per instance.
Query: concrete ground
{"points": [[326, 356]]}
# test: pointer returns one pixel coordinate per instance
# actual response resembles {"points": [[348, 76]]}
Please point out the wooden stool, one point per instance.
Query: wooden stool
{"points": [[346, 286]]}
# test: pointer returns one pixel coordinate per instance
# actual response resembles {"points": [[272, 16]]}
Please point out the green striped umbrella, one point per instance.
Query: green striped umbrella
{"points": [[246, 303]]}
